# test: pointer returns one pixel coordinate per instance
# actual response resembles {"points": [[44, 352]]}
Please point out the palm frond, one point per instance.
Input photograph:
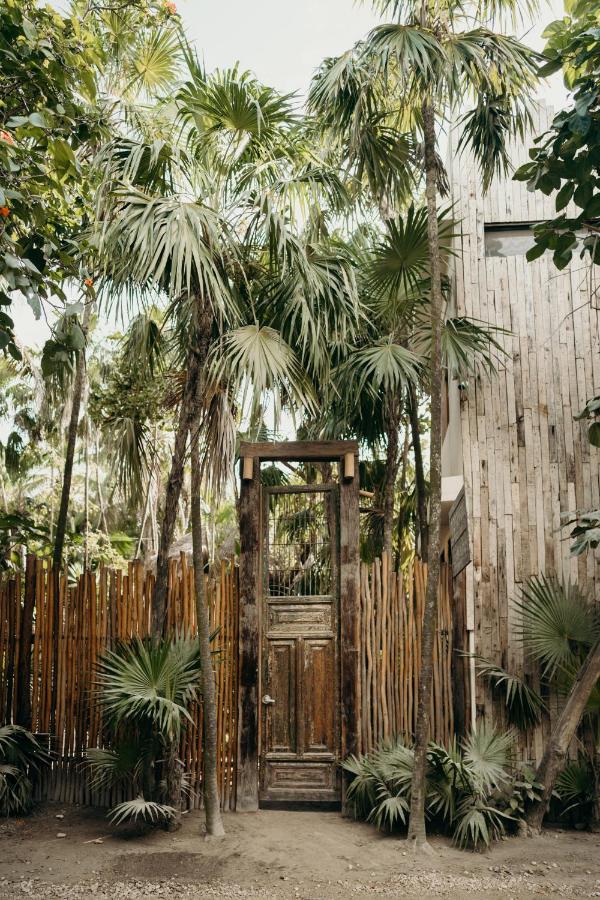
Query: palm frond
{"points": [[385, 365], [149, 681], [146, 810], [478, 823], [400, 262], [486, 755], [410, 49], [558, 623], [170, 243], [255, 362], [524, 706], [576, 788]]}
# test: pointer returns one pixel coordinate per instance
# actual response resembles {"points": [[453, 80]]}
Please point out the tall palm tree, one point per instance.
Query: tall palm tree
{"points": [[213, 218], [428, 62]]}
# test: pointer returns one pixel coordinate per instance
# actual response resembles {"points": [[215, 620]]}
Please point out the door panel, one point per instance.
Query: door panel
{"points": [[300, 742], [318, 676], [280, 731]]}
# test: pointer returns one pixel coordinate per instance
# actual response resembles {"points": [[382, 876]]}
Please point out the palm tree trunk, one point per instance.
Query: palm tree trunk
{"points": [[210, 789], [416, 826], [562, 735], [63, 510], [173, 491], [423, 531], [392, 464]]}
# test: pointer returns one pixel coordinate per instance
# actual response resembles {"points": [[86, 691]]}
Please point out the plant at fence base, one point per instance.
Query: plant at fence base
{"points": [[21, 756], [146, 689], [471, 791], [561, 630], [575, 791]]}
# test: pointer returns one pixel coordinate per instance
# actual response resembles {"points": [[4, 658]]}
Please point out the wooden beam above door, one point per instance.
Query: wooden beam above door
{"points": [[298, 451]]}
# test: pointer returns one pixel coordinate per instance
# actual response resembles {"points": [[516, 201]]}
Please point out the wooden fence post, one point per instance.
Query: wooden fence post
{"points": [[350, 615]]}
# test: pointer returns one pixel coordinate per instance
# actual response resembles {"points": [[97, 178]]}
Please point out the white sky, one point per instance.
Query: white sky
{"points": [[283, 42]]}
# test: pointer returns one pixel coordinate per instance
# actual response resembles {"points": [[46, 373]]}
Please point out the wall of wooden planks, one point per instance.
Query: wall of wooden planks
{"points": [[392, 606], [526, 462], [98, 610]]}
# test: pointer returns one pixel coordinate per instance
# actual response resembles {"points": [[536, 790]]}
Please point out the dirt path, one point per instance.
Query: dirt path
{"points": [[280, 855]]}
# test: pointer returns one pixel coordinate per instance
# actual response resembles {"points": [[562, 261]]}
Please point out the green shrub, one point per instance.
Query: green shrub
{"points": [[472, 792], [575, 791], [20, 757], [146, 689]]}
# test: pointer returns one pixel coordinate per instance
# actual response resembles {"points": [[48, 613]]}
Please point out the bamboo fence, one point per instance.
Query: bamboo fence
{"points": [[392, 606], [107, 606], [100, 609]]}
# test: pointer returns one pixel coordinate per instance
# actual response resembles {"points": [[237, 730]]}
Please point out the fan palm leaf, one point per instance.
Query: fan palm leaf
{"points": [[486, 755], [168, 242], [255, 362], [146, 681], [558, 623], [146, 810]]}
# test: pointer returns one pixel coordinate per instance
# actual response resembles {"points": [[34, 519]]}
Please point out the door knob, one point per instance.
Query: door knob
{"points": [[268, 701]]}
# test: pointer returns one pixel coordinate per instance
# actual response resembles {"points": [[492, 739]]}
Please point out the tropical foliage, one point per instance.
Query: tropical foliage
{"points": [[21, 758], [472, 791], [145, 689], [565, 159]]}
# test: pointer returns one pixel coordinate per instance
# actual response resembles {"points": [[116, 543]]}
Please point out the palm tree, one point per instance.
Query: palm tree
{"points": [[210, 218], [426, 63]]}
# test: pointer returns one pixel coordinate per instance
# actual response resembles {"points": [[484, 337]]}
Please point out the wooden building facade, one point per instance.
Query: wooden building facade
{"points": [[512, 443]]}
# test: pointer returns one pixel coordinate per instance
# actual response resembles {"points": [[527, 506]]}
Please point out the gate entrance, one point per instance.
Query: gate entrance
{"points": [[299, 686], [301, 737]]}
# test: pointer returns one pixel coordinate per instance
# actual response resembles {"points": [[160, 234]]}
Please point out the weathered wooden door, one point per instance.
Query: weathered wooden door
{"points": [[300, 683]]}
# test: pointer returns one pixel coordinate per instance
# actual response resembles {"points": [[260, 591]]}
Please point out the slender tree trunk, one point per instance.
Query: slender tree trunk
{"points": [[210, 789], [421, 487], [416, 826], [406, 444], [102, 523], [86, 497], [392, 464], [172, 494], [63, 510], [212, 809], [145, 513], [563, 733]]}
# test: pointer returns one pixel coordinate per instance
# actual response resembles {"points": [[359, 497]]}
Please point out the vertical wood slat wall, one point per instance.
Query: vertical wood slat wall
{"points": [[526, 462], [392, 605], [100, 609]]}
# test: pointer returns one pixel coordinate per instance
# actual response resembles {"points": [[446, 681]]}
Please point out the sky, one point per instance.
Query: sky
{"points": [[282, 42]]}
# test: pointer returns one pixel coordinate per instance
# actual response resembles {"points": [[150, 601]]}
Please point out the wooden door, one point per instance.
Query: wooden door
{"points": [[299, 690]]}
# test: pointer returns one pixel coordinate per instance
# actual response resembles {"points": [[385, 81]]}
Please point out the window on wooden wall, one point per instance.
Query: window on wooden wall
{"points": [[508, 240], [511, 238]]}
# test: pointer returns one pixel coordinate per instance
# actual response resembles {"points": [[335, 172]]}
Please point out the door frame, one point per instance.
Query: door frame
{"points": [[250, 598], [329, 490]]}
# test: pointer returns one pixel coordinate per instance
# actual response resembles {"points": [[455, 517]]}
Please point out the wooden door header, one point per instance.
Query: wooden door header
{"points": [[298, 451]]}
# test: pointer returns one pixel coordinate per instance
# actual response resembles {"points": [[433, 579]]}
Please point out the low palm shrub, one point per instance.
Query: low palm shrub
{"points": [[146, 689], [21, 757], [575, 792], [473, 793]]}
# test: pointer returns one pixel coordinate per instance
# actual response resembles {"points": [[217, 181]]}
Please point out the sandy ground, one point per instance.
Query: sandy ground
{"points": [[302, 855]]}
